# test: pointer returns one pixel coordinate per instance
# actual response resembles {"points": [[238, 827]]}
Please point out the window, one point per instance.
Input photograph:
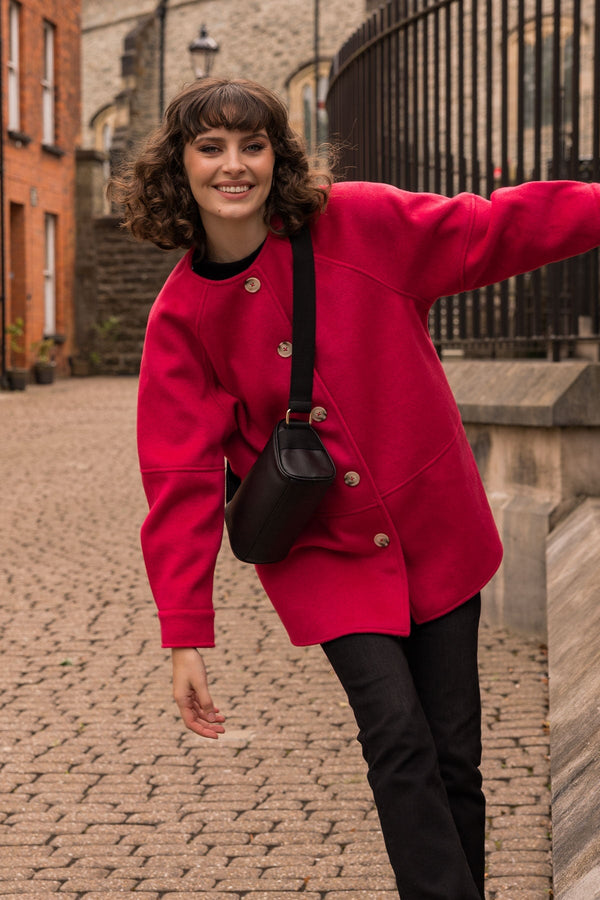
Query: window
{"points": [[14, 110], [540, 107], [103, 125], [546, 75], [307, 109], [50, 275], [48, 125], [303, 115], [546, 80]]}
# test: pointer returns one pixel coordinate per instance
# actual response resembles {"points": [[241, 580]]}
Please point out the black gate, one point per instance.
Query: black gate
{"points": [[473, 95]]}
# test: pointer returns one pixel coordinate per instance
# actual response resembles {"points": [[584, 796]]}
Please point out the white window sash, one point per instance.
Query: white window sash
{"points": [[48, 127], [50, 275], [14, 112]]}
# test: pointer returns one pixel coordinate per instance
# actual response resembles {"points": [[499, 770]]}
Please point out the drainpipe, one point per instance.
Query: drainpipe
{"points": [[161, 12], [2, 232], [316, 56]]}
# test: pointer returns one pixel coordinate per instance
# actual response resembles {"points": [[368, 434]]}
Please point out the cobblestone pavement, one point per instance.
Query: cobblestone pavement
{"points": [[102, 792]]}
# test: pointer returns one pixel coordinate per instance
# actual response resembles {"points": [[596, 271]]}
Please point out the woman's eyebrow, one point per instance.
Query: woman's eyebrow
{"points": [[207, 136]]}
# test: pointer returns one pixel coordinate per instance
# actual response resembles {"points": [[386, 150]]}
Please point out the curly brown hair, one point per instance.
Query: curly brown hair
{"points": [[154, 190]]}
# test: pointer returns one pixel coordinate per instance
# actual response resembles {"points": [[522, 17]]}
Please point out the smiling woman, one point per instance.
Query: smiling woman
{"points": [[230, 175], [386, 575], [212, 117]]}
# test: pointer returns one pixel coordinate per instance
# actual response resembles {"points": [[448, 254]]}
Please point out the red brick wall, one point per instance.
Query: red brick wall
{"points": [[38, 180]]}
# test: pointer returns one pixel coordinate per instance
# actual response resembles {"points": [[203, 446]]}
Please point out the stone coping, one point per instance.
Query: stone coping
{"points": [[526, 392], [573, 562]]}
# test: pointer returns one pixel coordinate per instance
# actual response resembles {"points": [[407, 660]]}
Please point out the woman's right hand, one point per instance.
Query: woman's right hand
{"points": [[190, 691]]}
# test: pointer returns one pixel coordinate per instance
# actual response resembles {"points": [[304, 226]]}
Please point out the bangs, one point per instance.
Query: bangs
{"points": [[230, 106]]}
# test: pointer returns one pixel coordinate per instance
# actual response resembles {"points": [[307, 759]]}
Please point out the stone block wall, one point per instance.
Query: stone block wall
{"points": [[138, 102], [535, 431], [260, 39], [573, 561], [129, 276], [119, 279]]}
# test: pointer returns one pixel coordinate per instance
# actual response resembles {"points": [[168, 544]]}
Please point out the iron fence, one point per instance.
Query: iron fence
{"points": [[472, 95]]}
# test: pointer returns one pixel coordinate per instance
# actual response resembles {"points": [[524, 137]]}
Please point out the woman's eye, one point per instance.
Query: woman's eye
{"points": [[208, 149], [255, 148]]}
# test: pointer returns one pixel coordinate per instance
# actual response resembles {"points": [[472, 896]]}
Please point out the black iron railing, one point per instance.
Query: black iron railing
{"points": [[473, 95]]}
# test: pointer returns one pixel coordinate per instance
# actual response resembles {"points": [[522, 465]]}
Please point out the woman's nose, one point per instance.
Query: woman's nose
{"points": [[233, 162]]}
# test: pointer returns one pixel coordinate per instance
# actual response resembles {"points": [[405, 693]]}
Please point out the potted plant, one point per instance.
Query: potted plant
{"points": [[105, 342], [44, 365], [17, 376]]}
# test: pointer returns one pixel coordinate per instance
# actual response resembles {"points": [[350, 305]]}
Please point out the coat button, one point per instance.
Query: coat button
{"points": [[381, 540], [352, 479], [285, 349], [319, 413], [252, 285]]}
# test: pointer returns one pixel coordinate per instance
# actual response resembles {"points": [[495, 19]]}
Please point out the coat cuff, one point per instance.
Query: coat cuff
{"points": [[181, 628]]}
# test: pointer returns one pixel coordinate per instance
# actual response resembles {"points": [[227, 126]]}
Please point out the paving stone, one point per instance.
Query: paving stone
{"points": [[15, 889], [103, 793], [114, 895]]}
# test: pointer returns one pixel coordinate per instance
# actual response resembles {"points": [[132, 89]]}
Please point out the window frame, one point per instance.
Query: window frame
{"points": [[49, 272], [49, 86], [13, 66]]}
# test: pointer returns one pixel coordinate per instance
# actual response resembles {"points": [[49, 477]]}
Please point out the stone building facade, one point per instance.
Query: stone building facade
{"points": [[126, 46], [265, 40]]}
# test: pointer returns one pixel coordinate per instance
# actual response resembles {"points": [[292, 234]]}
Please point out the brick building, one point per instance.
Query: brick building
{"points": [[40, 128]]}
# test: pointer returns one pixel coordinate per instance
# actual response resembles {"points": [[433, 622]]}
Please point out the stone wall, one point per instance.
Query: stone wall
{"points": [[260, 39], [117, 278], [137, 103], [574, 658], [129, 276], [121, 72], [535, 430]]}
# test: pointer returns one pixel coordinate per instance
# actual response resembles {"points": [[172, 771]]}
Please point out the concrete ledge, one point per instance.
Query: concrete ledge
{"points": [[516, 597], [573, 564], [526, 392]]}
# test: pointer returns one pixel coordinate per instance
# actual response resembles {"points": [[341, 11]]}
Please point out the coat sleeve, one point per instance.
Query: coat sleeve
{"points": [[182, 421], [517, 230]]}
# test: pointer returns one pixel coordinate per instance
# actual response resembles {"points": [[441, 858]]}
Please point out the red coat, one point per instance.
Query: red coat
{"points": [[406, 529]]}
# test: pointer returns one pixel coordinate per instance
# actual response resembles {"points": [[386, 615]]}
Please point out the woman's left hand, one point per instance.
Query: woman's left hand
{"points": [[191, 693]]}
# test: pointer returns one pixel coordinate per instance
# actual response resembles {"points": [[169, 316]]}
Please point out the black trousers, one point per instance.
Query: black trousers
{"points": [[417, 705]]}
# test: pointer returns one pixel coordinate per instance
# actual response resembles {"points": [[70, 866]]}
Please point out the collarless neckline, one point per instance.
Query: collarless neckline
{"points": [[220, 271]]}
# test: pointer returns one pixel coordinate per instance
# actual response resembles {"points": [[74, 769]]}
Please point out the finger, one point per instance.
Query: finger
{"points": [[205, 705], [200, 726], [210, 714]]}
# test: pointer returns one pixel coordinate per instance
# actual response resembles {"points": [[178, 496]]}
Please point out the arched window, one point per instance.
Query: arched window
{"points": [[533, 94], [309, 118]]}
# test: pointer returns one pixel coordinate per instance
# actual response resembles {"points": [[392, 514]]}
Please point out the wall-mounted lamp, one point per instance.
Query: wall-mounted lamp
{"points": [[203, 50]]}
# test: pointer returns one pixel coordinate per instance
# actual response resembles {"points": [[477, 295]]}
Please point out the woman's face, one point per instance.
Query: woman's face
{"points": [[230, 174]]}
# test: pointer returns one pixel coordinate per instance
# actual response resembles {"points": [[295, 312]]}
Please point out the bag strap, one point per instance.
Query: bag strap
{"points": [[303, 322], [303, 337]]}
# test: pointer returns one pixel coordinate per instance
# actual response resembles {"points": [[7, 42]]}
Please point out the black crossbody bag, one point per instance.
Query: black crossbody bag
{"points": [[273, 504]]}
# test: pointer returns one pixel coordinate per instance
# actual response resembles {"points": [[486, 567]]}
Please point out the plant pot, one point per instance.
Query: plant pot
{"points": [[80, 366], [44, 372], [17, 379]]}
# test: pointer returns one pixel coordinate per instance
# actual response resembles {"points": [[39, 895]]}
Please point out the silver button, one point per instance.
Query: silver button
{"points": [[381, 540], [351, 479], [319, 414], [285, 349], [252, 285]]}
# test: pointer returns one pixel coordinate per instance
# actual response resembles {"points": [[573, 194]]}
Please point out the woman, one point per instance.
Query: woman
{"points": [[387, 575]]}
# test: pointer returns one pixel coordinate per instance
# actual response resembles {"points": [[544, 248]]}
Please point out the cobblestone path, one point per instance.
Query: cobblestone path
{"points": [[103, 793]]}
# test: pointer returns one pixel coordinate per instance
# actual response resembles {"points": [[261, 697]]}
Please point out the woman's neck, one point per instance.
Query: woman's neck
{"points": [[227, 243]]}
